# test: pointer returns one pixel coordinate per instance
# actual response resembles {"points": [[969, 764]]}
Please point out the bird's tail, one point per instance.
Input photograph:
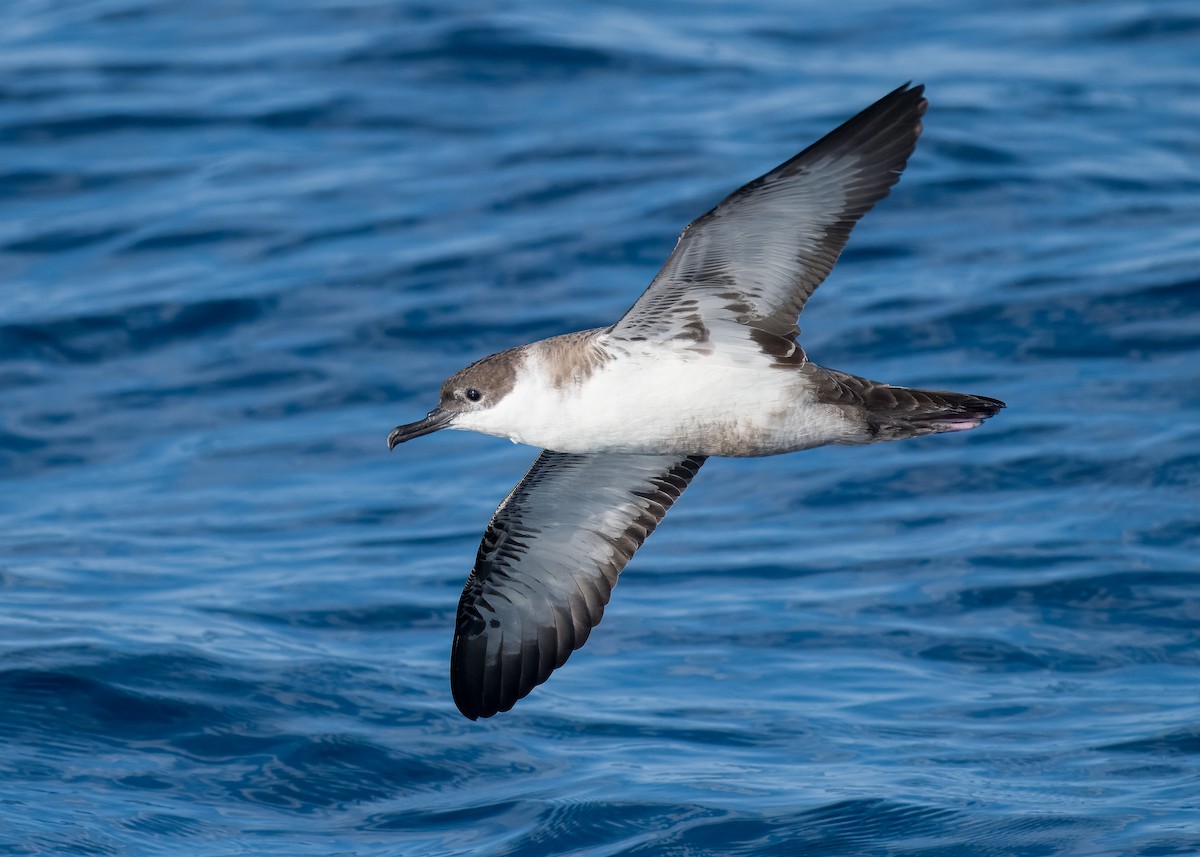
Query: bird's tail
{"points": [[894, 413]]}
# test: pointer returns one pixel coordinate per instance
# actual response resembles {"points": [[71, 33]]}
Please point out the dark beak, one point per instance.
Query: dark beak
{"points": [[434, 420]]}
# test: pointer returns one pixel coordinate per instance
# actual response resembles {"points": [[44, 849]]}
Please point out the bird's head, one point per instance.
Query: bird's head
{"points": [[469, 392]]}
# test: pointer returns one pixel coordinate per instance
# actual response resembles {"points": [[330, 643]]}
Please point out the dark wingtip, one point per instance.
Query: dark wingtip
{"points": [[972, 411], [886, 132], [908, 93], [476, 692], [989, 407], [468, 704], [908, 89], [468, 708]]}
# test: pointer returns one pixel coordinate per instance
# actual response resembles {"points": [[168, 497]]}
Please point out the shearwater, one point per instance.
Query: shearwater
{"points": [[706, 362]]}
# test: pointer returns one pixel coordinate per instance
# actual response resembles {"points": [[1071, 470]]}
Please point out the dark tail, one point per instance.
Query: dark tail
{"points": [[893, 413]]}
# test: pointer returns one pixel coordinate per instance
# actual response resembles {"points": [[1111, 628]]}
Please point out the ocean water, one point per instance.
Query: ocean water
{"points": [[239, 242]]}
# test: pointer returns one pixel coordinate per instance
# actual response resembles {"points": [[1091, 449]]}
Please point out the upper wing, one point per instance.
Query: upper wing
{"points": [[745, 269], [546, 567]]}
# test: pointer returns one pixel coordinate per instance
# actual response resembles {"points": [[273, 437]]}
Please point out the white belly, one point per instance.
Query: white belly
{"points": [[663, 402]]}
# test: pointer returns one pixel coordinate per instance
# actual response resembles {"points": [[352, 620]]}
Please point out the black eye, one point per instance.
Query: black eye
{"points": [[473, 394]]}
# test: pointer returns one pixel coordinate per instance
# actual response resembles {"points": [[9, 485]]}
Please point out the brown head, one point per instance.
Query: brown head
{"points": [[477, 388]]}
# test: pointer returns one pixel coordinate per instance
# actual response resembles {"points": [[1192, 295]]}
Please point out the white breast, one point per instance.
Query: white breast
{"points": [[662, 400]]}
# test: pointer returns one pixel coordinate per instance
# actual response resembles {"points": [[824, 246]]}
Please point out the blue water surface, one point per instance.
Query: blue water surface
{"points": [[239, 242]]}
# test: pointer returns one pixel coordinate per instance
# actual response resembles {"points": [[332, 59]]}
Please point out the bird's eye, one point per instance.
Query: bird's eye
{"points": [[473, 394]]}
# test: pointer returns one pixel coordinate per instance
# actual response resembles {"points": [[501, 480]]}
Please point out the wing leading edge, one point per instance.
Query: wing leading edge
{"points": [[746, 268]]}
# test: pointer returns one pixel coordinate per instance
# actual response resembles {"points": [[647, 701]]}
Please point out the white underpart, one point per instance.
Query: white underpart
{"points": [[664, 399]]}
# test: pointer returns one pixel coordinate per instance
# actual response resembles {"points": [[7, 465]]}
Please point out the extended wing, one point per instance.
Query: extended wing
{"points": [[546, 567], [745, 269]]}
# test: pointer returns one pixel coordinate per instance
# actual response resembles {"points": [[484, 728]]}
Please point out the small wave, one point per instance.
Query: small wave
{"points": [[138, 329]]}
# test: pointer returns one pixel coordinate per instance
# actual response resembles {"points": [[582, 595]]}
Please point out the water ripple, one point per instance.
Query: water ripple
{"points": [[242, 242]]}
